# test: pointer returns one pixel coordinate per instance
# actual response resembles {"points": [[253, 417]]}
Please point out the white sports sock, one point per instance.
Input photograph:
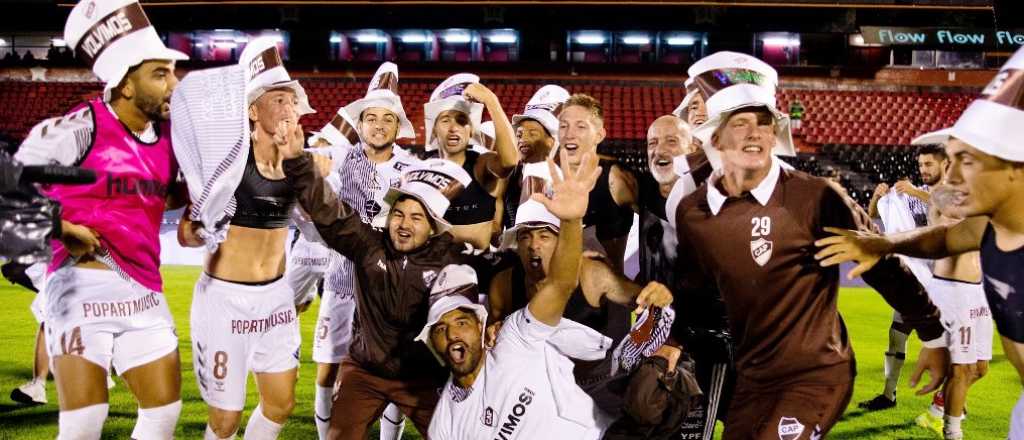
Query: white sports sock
{"points": [[210, 435], [894, 359], [951, 427], [157, 423], [260, 427], [322, 410], [392, 423], [83, 423]]}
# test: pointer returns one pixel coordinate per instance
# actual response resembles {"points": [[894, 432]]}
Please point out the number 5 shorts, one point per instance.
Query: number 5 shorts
{"points": [[96, 314], [238, 328]]}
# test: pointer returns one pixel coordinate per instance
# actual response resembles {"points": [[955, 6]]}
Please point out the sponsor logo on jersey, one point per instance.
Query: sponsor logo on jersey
{"points": [[515, 417], [761, 250], [790, 428]]}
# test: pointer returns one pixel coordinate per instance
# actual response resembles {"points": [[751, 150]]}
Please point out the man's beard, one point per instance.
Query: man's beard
{"points": [[663, 178], [932, 181], [538, 151], [473, 358], [151, 107]]}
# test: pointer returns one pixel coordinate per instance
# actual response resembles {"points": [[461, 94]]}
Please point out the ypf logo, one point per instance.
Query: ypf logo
{"points": [[790, 428]]}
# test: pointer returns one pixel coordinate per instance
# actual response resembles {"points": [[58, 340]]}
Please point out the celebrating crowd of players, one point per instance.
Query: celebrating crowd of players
{"points": [[477, 287]]}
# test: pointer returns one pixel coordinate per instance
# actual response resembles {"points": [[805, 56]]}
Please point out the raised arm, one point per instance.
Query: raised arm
{"points": [[507, 157], [569, 203], [339, 225], [599, 278]]}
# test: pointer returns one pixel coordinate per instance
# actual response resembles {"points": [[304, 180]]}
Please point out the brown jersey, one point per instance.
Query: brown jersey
{"points": [[758, 250]]}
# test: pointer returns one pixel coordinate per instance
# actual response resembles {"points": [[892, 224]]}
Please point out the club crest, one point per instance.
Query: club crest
{"points": [[761, 251], [790, 428]]}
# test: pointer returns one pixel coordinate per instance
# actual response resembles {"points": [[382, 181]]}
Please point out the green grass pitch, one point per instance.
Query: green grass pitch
{"points": [[866, 315]]}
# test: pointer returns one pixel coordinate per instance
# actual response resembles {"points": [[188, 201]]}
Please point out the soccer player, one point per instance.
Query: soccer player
{"points": [[31, 277], [453, 116], [104, 302], [536, 137], [523, 387], [610, 213], [931, 163], [394, 269], [243, 312], [362, 177], [986, 176], [746, 232]]}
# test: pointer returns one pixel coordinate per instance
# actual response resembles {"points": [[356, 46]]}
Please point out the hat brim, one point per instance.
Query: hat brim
{"points": [[394, 104], [441, 225], [509, 237], [938, 137], [161, 53], [784, 145], [479, 310], [303, 108]]}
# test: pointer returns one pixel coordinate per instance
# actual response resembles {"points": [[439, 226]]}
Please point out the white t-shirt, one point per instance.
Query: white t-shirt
{"points": [[525, 390]]}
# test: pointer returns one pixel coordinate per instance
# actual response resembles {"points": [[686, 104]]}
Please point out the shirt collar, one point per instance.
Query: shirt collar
{"points": [[762, 192]]}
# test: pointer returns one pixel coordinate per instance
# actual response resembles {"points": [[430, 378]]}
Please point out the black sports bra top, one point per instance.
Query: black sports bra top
{"points": [[260, 202]]}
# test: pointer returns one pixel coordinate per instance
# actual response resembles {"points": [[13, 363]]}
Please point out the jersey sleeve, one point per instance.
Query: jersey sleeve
{"points": [[522, 331], [339, 225], [63, 140], [890, 277]]}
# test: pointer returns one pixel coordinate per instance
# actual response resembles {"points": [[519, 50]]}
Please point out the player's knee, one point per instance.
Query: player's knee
{"points": [[326, 374], [980, 369], [964, 372], [157, 423], [83, 423], [224, 423], [278, 408]]}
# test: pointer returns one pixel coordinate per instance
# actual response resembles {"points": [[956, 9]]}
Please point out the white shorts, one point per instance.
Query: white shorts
{"points": [[237, 328], [95, 314], [333, 332], [966, 317], [308, 261], [37, 273]]}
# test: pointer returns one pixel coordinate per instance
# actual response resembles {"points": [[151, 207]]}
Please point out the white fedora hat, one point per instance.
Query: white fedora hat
{"points": [[992, 122], [447, 295], [383, 93], [448, 96], [112, 36], [729, 81], [340, 130], [265, 71], [544, 107], [434, 182]]}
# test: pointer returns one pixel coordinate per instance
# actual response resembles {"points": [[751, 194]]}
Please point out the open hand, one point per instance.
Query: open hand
{"points": [[571, 194], [866, 248], [934, 361]]}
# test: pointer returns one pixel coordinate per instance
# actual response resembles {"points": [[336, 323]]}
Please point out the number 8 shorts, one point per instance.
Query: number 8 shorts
{"points": [[237, 328], [96, 314], [966, 317]]}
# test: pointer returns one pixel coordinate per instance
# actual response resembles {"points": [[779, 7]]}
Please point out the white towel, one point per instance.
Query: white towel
{"points": [[894, 210], [210, 134]]}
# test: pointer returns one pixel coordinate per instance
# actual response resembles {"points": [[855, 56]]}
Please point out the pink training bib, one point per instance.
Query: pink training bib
{"points": [[126, 203]]}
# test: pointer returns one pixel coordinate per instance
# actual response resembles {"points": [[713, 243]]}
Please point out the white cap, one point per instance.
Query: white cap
{"points": [[447, 295], [730, 81], [691, 92], [265, 71], [531, 214], [113, 36], [448, 96], [383, 93], [483, 139], [544, 107], [434, 182], [992, 122], [340, 130]]}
